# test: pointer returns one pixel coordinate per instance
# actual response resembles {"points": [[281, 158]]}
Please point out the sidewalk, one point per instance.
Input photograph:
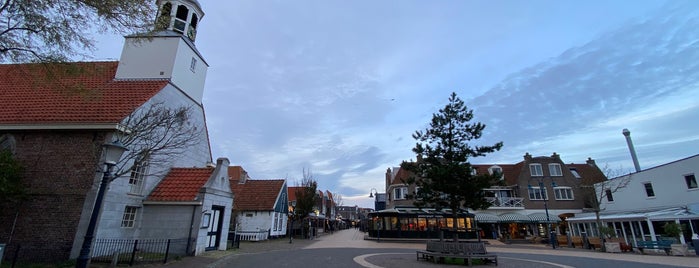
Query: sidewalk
{"points": [[352, 238]]}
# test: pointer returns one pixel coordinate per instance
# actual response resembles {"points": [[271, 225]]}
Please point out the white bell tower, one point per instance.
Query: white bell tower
{"points": [[168, 52]]}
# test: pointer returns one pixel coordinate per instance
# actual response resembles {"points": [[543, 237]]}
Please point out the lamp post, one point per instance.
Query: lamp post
{"points": [[542, 188], [291, 226], [373, 193], [112, 154]]}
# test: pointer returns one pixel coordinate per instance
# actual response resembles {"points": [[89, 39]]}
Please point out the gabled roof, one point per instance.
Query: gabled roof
{"points": [[253, 194], [74, 93], [181, 185]]}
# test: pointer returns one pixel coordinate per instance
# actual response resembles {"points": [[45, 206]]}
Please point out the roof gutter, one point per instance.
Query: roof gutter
{"points": [[94, 126], [173, 203]]}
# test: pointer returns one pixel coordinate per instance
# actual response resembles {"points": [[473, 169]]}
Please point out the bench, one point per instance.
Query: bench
{"points": [[562, 240], [594, 242], [437, 251], [661, 244], [577, 241]]}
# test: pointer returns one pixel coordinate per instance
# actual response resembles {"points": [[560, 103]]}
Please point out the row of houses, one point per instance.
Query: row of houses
{"points": [[55, 119], [535, 197], [542, 197]]}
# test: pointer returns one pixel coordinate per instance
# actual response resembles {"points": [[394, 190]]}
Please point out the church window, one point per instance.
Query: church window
{"points": [[181, 19]]}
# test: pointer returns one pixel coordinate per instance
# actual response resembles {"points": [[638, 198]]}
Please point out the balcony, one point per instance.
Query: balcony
{"points": [[505, 202]]}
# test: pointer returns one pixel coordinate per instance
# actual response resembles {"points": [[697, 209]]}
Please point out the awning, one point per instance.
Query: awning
{"points": [[487, 218], [541, 218], [515, 217], [656, 215]]}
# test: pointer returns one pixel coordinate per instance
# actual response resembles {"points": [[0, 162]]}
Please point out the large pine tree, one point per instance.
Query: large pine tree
{"points": [[444, 174]]}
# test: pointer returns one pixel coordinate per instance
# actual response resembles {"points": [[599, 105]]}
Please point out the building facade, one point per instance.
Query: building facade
{"points": [[534, 198], [55, 128], [646, 201]]}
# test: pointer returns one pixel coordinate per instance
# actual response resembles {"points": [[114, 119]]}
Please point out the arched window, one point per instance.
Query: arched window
{"points": [[192, 31], [163, 20], [181, 19]]}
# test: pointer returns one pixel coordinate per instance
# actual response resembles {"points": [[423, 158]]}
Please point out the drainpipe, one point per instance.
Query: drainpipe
{"points": [[191, 227]]}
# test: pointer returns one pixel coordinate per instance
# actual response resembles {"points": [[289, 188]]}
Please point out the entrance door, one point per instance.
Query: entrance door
{"points": [[213, 234]]}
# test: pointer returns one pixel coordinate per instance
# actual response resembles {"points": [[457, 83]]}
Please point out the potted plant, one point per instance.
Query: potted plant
{"points": [[607, 232], [674, 230]]}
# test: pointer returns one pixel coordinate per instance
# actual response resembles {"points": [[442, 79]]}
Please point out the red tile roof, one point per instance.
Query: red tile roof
{"points": [[256, 194], [292, 192], [235, 173], [83, 92], [181, 184]]}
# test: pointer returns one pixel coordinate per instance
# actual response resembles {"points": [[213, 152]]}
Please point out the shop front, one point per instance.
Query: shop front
{"points": [[419, 223]]}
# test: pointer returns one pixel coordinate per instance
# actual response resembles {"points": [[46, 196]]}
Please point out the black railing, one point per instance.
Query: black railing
{"points": [[131, 251]]}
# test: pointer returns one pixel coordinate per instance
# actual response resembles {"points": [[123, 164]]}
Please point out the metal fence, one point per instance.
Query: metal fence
{"points": [[132, 251]]}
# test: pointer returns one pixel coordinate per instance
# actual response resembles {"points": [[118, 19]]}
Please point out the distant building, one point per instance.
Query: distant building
{"points": [[517, 208], [261, 208]]}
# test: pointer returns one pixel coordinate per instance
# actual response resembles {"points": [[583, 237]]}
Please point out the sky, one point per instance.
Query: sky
{"points": [[339, 87]]}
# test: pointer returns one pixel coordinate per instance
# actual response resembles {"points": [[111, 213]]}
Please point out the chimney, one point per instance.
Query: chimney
{"points": [[627, 134]]}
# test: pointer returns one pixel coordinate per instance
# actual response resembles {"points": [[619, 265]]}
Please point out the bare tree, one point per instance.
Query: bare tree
{"points": [[55, 30], [600, 191], [337, 198], [155, 136]]}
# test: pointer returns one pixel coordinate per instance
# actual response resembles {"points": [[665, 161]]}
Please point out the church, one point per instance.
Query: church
{"points": [[55, 119]]}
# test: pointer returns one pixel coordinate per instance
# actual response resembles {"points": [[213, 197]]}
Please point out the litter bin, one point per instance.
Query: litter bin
{"points": [[694, 241]]}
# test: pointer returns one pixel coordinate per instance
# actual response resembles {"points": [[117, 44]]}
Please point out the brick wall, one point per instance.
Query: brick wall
{"points": [[59, 170]]}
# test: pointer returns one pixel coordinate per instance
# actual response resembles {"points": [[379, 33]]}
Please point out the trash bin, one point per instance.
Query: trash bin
{"points": [[694, 241]]}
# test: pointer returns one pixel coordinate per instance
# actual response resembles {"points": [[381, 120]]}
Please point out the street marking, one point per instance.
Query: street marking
{"points": [[544, 262], [361, 259]]}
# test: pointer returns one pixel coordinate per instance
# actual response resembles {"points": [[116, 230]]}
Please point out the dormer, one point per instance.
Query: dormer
{"points": [[495, 169]]}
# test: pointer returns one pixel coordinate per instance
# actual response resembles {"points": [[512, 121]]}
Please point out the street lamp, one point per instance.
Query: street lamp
{"points": [[542, 188], [372, 191], [291, 226], [112, 154]]}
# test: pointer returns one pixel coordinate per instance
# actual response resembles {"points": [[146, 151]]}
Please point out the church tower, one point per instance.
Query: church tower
{"points": [[169, 51]]}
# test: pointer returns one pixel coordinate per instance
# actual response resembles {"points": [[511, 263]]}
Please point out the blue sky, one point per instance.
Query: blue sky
{"points": [[338, 87]]}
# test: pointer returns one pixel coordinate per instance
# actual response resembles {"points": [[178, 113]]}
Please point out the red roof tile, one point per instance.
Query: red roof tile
{"points": [[181, 184], [256, 194], [84, 92], [292, 192]]}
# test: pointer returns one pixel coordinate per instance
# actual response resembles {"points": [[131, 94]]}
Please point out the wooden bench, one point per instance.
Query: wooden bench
{"points": [[594, 242], [468, 251], [576, 241], [661, 244], [562, 240]]}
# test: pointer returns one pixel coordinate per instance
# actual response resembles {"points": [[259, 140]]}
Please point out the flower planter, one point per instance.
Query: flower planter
{"points": [[612, 247], [679, 250]]}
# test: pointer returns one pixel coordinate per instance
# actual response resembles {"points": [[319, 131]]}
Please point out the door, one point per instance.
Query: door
{"points": [[213, 234]]}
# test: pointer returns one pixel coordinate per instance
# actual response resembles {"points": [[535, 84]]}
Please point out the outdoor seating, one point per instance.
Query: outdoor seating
{"points": [[660, 244], [437, 251], [594, 242]]}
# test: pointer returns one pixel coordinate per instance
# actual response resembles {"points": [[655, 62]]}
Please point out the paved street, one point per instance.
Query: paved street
{"points": [[348, 248]]}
